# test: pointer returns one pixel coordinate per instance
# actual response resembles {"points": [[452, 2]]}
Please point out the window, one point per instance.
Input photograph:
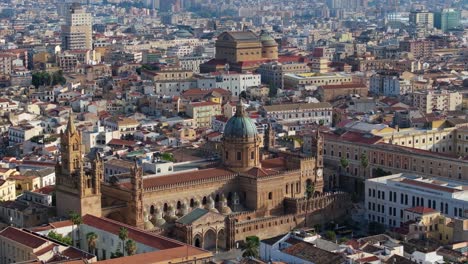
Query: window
{"points": [[239, 155], [270, 196], [227, 155], [252, 155]]}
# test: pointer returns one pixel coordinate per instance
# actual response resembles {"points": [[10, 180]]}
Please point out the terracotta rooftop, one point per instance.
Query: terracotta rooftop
{"points": [[22, 237], [183, 177], [421, 210], [260, 172], [309, 252], [147, 238], [274, 163], [343, 86]]}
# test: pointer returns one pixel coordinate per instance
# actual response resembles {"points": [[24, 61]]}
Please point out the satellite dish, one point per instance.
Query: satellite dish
{"points": [[55, 249]]}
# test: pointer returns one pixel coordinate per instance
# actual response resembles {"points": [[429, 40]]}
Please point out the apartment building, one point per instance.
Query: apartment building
{"points": [[77, 33], [303, 113], [419, 48], [21, 133], [234, 82], [122, 124], [429, 101], [272, 73], [201, 112], [21, 245], [292, 80]]}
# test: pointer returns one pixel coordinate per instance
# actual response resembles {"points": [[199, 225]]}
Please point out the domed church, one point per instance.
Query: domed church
{"points": [[216, 207]]}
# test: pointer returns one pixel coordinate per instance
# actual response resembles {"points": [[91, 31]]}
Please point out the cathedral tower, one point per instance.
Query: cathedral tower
{"points": [[135, 216], [317, 152], [76, 190], [241, 142]]}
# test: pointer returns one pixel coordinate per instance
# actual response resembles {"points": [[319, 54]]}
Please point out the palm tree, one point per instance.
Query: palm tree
{"points": [[123, 235], [250, 249], [364, 162], [344, 162], [91, 237], [310, 190], [76, 220], [130, 247]]}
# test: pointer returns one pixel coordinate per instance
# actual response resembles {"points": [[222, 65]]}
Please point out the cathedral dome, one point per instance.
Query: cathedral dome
{"points": [[240, 125], [267, 40]]}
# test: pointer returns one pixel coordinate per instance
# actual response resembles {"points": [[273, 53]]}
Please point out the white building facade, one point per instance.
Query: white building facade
{"points": [[387, 197]]}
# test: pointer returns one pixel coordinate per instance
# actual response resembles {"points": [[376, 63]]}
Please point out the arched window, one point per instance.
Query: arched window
{"points": [[270, 196], [165, 207], [192, 202], [179, 205]]}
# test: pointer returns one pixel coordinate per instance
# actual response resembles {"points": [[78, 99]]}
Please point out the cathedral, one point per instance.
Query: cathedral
{"points": [[256, 190]]}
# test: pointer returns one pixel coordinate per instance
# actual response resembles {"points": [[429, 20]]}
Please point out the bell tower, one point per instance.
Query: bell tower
{"points": [[76, 190], [317, 152], [136, 204]]}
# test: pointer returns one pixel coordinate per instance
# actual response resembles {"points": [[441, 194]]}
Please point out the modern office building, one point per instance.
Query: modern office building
{"points": [[447, 19], [77, 33]]}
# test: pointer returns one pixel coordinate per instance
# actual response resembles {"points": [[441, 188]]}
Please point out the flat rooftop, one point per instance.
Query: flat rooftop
{"points": [[452, 188], [315, 75]]}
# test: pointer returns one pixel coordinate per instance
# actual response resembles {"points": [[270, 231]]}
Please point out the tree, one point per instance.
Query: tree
{"points": [[76, 220], [310, 190], [66, 240], [364, 161], [130, 247], [318, 228], [330, 235], [273, 91], [91, 237], [343, 240], [379, 172], [251, 247], [123, 235], [344, 162]]}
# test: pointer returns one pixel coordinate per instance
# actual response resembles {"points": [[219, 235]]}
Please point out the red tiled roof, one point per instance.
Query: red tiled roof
{"points": [[141, 236], [368, 259], [46, 189], [22, 237], [355, 137], [175, 255], [121, 142], [421, 210], [274, 163], [183, 177], [344, 86], [260, 172]]}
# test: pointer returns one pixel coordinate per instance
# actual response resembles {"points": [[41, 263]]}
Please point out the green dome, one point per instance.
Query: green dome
{"points": [[183, 33], [240, 125], [266, 39]]}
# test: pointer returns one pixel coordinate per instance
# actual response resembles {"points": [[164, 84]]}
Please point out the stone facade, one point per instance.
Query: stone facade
{"points": [[216, 207]]}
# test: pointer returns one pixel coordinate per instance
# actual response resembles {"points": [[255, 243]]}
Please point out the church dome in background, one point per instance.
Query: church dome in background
{"points": [[267, 39]]}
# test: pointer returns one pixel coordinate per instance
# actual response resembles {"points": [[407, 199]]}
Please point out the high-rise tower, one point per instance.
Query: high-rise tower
{"points": [[76, 190], [77, 33]]}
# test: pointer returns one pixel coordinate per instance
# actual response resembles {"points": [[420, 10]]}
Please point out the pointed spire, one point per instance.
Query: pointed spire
{"points": [[240, 111], [71, 129]]}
